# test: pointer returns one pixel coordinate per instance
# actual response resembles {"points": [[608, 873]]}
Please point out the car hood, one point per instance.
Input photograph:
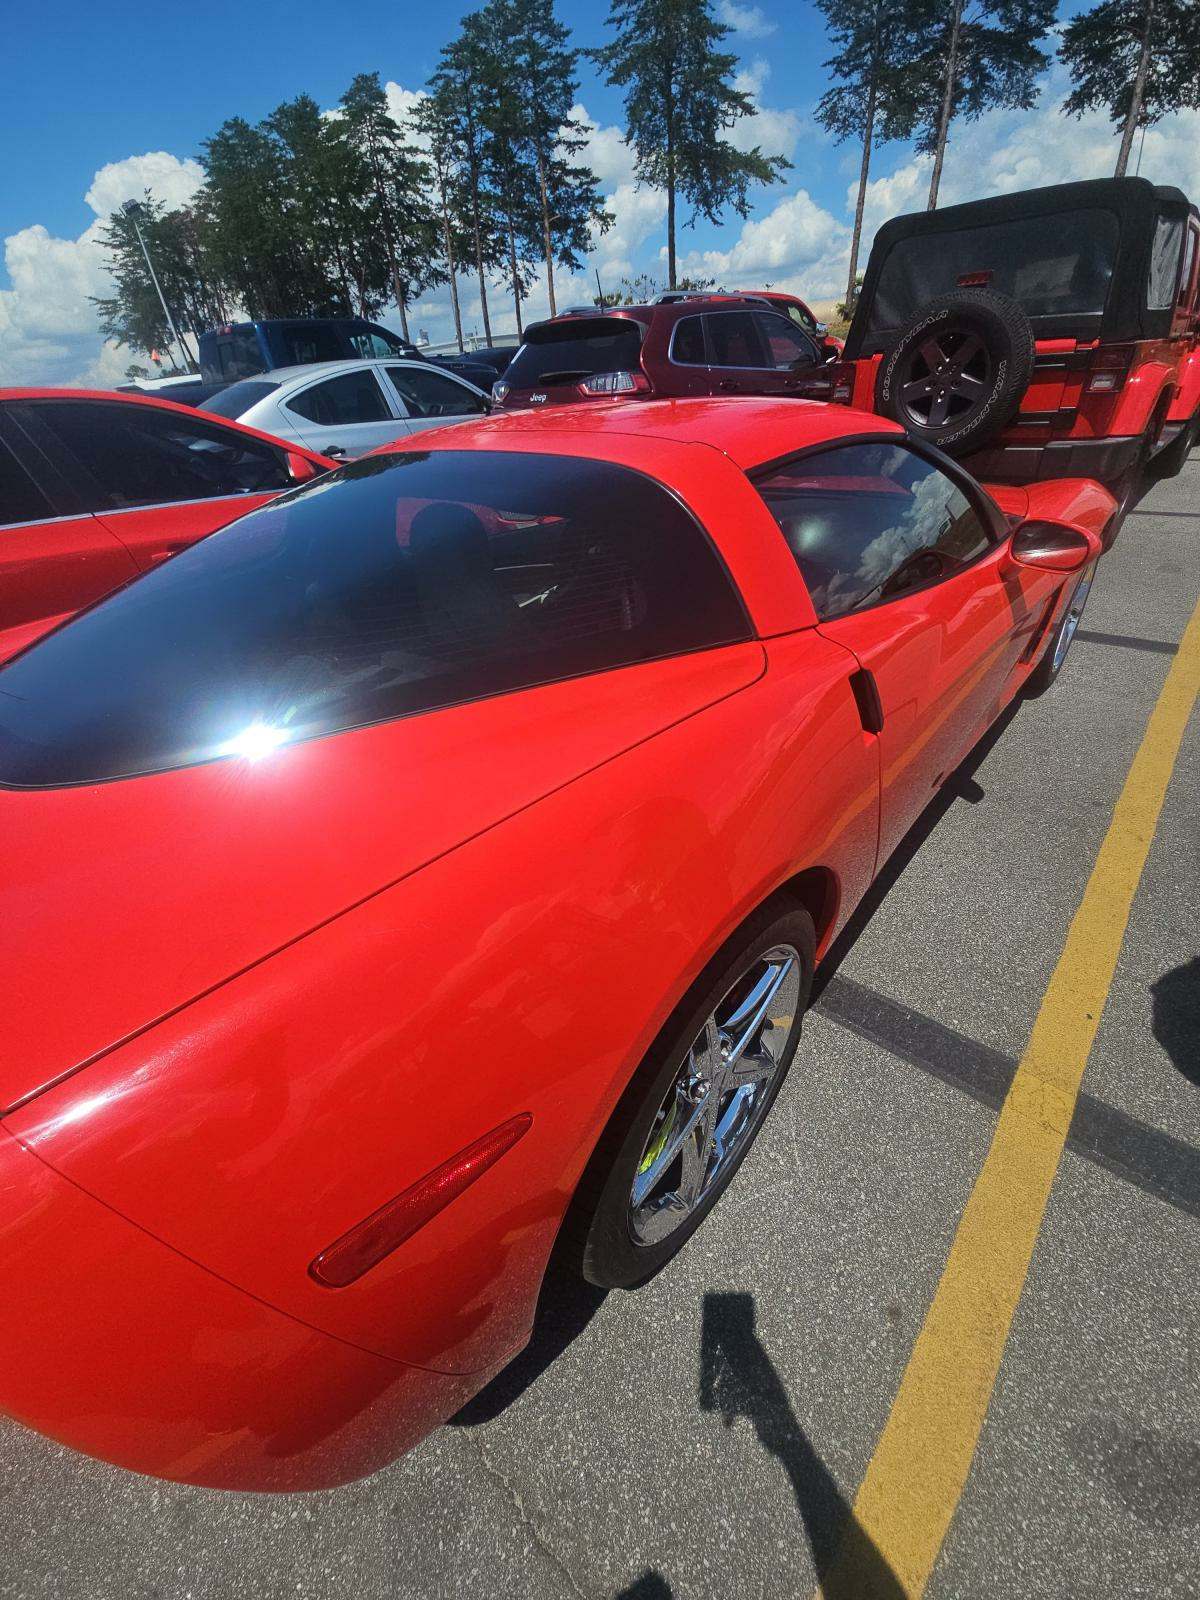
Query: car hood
{"points": [[121, 902]]}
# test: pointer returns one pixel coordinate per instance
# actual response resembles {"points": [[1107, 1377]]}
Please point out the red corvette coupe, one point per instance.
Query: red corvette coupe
{"points": [[433, 863], [95, 488]]}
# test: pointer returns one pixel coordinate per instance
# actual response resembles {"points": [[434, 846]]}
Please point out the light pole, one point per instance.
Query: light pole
{"points": [[133, 209]]}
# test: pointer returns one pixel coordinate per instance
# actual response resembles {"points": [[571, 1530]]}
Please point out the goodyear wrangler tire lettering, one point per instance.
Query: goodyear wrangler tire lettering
{"points": [[956, 373]]}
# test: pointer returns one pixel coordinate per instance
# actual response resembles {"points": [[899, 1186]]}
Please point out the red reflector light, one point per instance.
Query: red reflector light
{"points": [[1110, 368], [366, 1244], [974, 280]]}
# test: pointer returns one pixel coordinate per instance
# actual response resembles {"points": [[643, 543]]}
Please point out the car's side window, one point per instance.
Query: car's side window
{"points": [[20, 498], [342, 401], [735, 341], [1187, 289], [432, 394], [137, 455], [372, 345], [869, 522], [787, 347], [687, 342], [1164, 263]]}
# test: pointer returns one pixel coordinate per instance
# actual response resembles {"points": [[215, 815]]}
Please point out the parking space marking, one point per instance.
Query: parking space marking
{"points": [[1154, 1161], [916, 1477]]}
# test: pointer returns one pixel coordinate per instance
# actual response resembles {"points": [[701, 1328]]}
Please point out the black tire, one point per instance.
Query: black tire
{"points": [[598, 1234], [957, 372], [1054, 653]]}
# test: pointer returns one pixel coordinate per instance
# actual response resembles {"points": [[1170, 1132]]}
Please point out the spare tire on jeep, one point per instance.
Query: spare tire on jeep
{"points": [[956, 373]]}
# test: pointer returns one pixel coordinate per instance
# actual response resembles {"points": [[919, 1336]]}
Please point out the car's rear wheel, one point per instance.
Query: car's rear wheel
{"points": [[956, 373], [1055, 652], [696, 1103]]}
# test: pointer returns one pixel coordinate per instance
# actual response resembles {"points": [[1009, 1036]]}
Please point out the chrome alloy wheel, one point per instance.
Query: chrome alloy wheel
{"points": [[1070, 621], [718, 1097]]}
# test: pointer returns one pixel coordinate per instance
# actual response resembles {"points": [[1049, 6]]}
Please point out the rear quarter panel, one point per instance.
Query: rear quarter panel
{"points": [[527, 970]]}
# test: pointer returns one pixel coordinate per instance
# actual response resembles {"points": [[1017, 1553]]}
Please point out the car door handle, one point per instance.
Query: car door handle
{"points": [[727, 383], [866, 697], [335, 451]]}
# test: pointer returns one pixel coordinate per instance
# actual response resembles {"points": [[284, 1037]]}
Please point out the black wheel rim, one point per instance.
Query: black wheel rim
{"points": [[944, 378]]}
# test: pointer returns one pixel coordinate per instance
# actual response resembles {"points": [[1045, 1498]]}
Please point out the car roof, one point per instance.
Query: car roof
{"points": [[750, 430], [318, 369]]}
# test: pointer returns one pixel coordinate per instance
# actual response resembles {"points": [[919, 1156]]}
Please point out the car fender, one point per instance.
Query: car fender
{"points": [[1187, 397], [1081, 501], [1139, 397]]}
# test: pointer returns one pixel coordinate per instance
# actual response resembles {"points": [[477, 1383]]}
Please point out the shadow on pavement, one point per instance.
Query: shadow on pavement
{"points": [[738, 1379], [565, 1307], [1176, 1017], [650, 1586]]}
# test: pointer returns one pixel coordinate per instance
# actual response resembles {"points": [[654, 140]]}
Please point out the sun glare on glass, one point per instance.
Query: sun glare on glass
{"points": [[254, 742]]}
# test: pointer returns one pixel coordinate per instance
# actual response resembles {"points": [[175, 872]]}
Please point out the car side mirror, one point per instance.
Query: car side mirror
{"points": [[300, 469], [820, 329], [1054, 546]]}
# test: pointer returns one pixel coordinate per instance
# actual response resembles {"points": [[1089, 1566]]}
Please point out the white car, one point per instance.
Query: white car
{"points": [[346, 408]]}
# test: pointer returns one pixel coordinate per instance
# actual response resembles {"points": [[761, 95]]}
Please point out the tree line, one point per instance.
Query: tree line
{"points": [[311, 213]]}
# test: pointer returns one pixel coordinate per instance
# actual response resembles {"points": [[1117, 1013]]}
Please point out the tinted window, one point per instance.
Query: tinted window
{"points": [[239, 397], [1164, 263], [687, 342], [565, 352], [400, 584], [809, 324], [356, 397], [137, 455], [1059, 266], [787, 347], [298, 343], [868, 522], [20, 499], [432, 394], [734, 340], [368, 342], [1186, 296], [239, 353]]}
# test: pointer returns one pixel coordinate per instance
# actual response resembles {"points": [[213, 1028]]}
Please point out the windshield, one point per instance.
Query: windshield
{"points": [[238, 398], [400, 584], [566, 352], [1054, 266]]}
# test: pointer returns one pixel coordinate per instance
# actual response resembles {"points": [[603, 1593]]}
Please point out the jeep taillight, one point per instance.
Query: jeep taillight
{"points": [[841, 381], [615, 383], [1109, 369]]}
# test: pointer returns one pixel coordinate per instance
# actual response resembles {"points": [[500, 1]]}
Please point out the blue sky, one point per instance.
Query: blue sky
{"points": [[141, 86]]}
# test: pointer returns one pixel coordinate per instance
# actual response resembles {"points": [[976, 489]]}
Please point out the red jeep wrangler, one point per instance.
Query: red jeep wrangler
{"points": [[1048, 334]]}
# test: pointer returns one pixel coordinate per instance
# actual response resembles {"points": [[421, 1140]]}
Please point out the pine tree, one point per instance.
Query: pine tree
{"points": [[398, 185], [540, 72], [876, 92], [983, 55], [1138, 59], [435, 126], [460, 88], [679, 99]]}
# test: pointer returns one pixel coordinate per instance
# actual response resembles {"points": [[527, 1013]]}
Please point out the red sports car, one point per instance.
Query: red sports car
{"points": [[95, 488], [432, 865]]}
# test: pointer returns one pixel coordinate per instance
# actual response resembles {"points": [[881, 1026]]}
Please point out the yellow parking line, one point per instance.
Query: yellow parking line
{"points": [[916, 1476]]}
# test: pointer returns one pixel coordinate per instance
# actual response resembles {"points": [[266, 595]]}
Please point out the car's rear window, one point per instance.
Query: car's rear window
{"points": [[567, 352], [1054, 266], [400, 584], [238, 398]]}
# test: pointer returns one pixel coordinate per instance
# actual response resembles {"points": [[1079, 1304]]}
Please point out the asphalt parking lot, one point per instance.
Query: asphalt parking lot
{"points": [[708, 1435]]}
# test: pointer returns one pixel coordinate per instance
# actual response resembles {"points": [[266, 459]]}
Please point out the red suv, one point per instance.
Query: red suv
{"points": [[714, 344], [1049, 334]]}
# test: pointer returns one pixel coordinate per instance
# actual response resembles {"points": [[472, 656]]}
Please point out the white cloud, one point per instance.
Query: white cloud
{"points": [[776, 132], [746, 20], [797, 245], [47, 321]]}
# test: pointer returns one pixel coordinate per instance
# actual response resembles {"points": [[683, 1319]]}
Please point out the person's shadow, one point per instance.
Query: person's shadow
{"points": [[1176, 1017], [738, 1379]]}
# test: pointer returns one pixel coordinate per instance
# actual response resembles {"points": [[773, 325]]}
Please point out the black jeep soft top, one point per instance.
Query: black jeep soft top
{"points": [[1089, 260]]}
